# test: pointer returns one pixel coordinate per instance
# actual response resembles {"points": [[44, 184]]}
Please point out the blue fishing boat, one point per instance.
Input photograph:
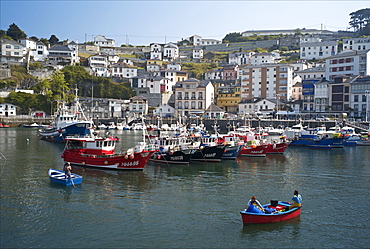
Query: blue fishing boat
{"points": [[67, 122], [58, 176]]}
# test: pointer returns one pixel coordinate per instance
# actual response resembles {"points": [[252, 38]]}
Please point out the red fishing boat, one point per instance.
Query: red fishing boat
{"points": [[277, 148], [273, 213], [93, 151], [253, 150]]}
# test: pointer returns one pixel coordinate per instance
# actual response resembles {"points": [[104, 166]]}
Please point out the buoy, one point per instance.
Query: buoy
{"points": [[83, 163], [106, 162], [126, 156], [132, 156], [159, 156]]}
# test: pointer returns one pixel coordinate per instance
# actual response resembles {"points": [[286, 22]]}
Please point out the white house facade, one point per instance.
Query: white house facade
{"points": [[318, 50], [197, 53], [362, 43], [164, 110], [321, 96], [170, 52], [122, 70], [193, 96], [156, 51], [7, 110], [64, 54], [313, 72], [256, 106], [102, 41], [348, 63], [12, 51], [240, 58], [264, 58]]}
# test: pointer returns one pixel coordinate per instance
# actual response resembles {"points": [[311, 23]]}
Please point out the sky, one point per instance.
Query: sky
{"points": [[143, 22]]}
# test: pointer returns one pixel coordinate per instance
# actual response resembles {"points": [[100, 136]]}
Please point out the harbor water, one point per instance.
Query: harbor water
{"points": [[172, 206]]}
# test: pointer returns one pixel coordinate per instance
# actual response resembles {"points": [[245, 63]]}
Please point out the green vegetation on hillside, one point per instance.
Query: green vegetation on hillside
{"points": [[196, 70]]}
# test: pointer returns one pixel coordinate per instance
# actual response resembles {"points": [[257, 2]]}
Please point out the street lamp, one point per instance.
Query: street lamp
{"points": [[367, 93], [277, 103]]}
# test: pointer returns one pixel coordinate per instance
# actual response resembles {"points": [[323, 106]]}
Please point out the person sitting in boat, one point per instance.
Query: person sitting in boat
{"points": [[255, 202], [297, 200], [67, 170]]}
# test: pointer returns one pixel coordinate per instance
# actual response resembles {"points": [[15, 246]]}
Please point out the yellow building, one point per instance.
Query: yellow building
{"points": [[228, 98]]}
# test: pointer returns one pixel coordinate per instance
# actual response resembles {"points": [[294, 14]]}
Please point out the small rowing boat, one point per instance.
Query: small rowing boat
{"points": [[274, 212], [58, 176]]}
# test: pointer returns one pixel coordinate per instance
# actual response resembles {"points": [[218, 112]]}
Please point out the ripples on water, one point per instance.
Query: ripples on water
{"points": [[181, 206]]}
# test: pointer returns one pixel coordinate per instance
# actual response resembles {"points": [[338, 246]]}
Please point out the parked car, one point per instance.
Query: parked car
{"points": [[322, 118]]}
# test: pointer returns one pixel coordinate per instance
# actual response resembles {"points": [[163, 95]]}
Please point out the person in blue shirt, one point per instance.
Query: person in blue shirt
{"points": [[297, 200]]}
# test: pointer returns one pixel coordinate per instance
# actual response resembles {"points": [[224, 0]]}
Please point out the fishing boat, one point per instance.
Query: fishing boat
{"points": [[273, 213], [277, 148], [254, 150], [208, 153], [58, 176], [173, 157], [171, 150], [99, 152], [67, 122]]}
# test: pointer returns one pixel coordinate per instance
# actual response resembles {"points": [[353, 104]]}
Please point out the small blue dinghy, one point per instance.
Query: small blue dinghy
{"points": [[58, 176]]}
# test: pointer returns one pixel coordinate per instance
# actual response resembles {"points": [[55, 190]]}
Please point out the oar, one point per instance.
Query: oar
{"points": [[73, 182]]}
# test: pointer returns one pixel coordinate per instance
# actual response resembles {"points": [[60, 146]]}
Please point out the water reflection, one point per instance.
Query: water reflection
{"points": [[292, 224]]}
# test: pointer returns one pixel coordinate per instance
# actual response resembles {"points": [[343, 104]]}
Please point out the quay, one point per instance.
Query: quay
{"points": [[223, 124]]}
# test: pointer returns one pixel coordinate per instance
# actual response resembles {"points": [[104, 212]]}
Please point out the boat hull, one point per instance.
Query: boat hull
{"points": [[262, 218], [58, 176], [208, 154], [59, 135], [135, 161], [176, 157], [278, 148], [231, 152], [258, 151]]}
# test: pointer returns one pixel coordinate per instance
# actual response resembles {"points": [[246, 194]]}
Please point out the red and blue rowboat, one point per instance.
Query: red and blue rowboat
{"points": [[279, 214]]}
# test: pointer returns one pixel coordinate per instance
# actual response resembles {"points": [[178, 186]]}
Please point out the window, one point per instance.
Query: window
{"points": [[355, 98]]}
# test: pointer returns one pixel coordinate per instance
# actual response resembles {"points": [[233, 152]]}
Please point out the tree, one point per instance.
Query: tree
{"points": [[15, 32], [53, 40], [45, 41], [366, 30], [359, 19]]}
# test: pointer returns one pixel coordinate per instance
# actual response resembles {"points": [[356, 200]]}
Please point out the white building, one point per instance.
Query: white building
{"points": [[193, 96], [264, 58], [170, 52], [356, 44], [287, 32], [174, 66], [318, 50], [197, 53], [99, 65], [206, 42], [321, 96], [122, 70], [156, 51], [257, 106], [64, 54], [313, 72], [156, 84], [40, 53], [12, 51], [152, 67], [7, 110], [164, 110], [102, 41], [351, 62], [240, 58], [138, 105]]}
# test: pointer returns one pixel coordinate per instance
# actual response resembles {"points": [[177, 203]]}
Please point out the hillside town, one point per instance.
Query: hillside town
{"points": [[330, 75]]}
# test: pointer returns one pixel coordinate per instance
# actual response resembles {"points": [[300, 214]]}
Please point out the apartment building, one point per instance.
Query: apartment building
{"points": [[193, 96], [350, 62], [266, 81]]}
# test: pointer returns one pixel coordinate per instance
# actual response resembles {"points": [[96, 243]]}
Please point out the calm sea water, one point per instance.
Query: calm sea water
{"points": [[181, 206]]}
